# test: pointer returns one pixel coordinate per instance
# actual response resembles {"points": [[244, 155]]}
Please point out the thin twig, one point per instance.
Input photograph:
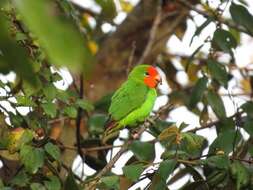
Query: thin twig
{"points": [[211, 124], [131, 57], [93, 182], [207, 15], [151, 35], [86, 150], [173, 26], [78, 122]]}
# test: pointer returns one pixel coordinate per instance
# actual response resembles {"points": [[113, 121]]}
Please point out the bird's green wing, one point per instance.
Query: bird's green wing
{"points": [[130, 96]]}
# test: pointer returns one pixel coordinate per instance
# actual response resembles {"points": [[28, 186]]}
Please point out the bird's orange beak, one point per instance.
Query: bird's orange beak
{"points": [[158, 79]]}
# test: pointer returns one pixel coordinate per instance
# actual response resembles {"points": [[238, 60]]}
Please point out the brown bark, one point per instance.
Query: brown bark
{"points": [[113, 56]]}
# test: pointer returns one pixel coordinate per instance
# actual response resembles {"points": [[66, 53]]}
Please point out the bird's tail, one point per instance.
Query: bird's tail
{"points": [[111, 129]]}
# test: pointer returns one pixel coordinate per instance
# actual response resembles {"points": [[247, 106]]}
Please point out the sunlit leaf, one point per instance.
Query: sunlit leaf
{"points": [[192, 143], [170, 134]]}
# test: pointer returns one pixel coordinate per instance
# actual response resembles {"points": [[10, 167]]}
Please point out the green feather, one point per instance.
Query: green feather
{"points": [[133, 101]]}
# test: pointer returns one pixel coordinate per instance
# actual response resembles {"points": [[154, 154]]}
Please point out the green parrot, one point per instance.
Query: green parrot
{"points": [[134, 100]]}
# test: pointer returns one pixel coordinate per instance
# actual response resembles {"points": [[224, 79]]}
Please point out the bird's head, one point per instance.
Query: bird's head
{"points": [[147, 74]]}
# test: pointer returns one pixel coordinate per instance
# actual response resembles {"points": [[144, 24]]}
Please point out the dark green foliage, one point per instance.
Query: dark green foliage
{"points": [[37, 146]]}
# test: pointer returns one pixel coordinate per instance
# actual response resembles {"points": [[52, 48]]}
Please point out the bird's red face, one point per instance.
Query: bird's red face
{"points": [[152, 77]]}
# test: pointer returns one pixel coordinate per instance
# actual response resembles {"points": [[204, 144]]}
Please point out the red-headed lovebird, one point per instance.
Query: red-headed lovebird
{"points": [[135, 99]]}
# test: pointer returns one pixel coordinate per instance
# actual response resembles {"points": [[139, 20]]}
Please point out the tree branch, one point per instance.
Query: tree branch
{"points": [[124, 148], [152, 34], [207, 15], [211, 124]]}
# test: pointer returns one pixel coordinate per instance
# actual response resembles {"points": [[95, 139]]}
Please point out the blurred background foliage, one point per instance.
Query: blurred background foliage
{"points": [[44, 125]]}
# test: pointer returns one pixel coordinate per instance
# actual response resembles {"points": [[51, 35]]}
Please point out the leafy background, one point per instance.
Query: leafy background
{"points": [[58, 60]]}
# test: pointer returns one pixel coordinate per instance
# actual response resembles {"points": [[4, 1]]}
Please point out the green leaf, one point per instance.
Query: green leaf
{"points": [[201, 27], [108, 9], [32, 89], [159, 126], [248, 126], [56, 77], [242, 16], [111, 182], [170, 154], [21, 179], [218, 72], [26, 137], [70, 111], [53, 183], [12, 56], [24, 101], [224, 40], [217, 177], [103, 104], [85, 105], [143, 150], [71, 183], [192, 143], [218, 161], [50, 91], [37, 186], [250, 150], [59, 38], [96, 123], [50, 109], [63, 95], [192, 57], [198, 92], [32, 158], [248, 108], [225, 142], [133, 172], [216, 103], [198, 185], [53, 150], [224, 125], [166, 168], [240, 173]]}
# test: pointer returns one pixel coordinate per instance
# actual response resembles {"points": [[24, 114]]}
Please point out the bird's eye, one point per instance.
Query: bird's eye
{"points": [[146, 74]]}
